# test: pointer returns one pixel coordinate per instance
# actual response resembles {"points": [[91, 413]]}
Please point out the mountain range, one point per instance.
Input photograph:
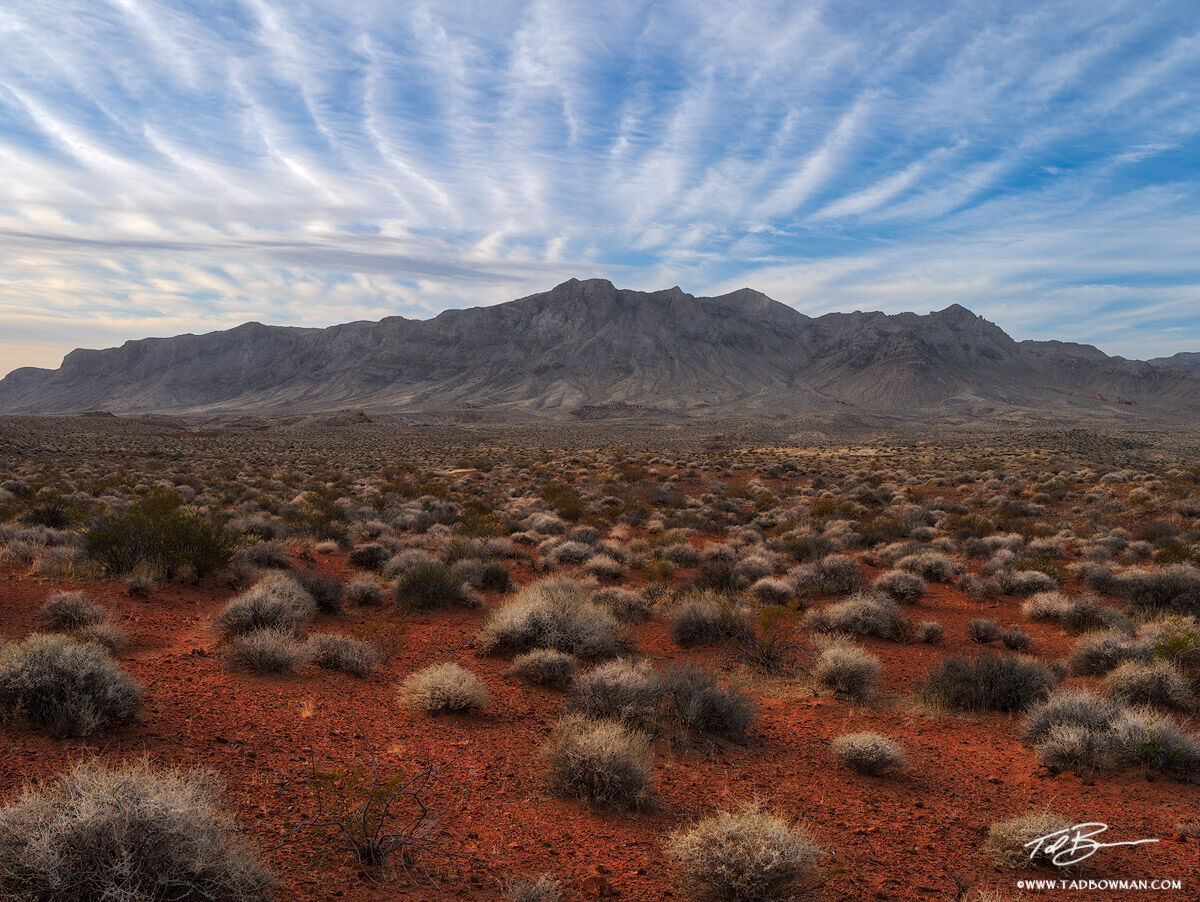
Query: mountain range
{"points": [[587, 349]]}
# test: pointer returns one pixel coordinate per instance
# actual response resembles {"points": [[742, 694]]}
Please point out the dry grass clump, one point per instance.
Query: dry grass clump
{"points": [[70, 611], [443, 688], [140, 586], [343, 654], [133, 834], [869, 753], [990, 683], [265, 555], [1076, 615], [846, 669], [1024, 583], [546, 667], [555, 613], [266, 651], [901, 586], [861, 615], [276, 602], [1006, 842], [600, 761], [929, 632], [749, 855], [73, 689], [604, 567], [771, 591], [106, 634]]}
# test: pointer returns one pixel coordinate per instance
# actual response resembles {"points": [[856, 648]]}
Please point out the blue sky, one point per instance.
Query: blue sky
{"points": [[172, 166]]}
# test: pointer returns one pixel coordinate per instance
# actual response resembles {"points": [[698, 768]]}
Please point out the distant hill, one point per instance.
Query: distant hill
{"points": [[1185, 360], [587, 349]]}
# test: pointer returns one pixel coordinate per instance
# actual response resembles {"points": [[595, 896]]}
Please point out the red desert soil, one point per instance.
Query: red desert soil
{"points": [[906, 837]]}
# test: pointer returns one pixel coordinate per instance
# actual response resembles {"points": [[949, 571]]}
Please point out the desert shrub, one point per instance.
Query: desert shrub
{"points": [[869, 753], [555, 613], [990, 683], [343, 654], [1095, 654], [139, 585], [619, 690], [1024, 583], [600, 761], [861, 615], [1171, 589], [405, 561], [1070, 708], [627, 606], [834, 574], [1076, 749], [327, 591], [429, 586], [132, 833], [681, 555], [568, 553], [266, 651], [362, 590], [105, 634], [931, 565], [276, 602], [1006, 840], [748, 855], [901, 586], [604, 567], [772, 645], [156, 534], [705, 621], [544, 888], [441, 688], [1176, 639], [267, 555], [929, 632], [717, 576], [1156, 742], [983, 631], [848, 670], [71, 688], [495, 577], [1085, 614], [698, 704], [371, 556], [1158, 684], [1050, 606], [772, 591], [980, 588], [1016, 639], [546, 667], [70, 610]]}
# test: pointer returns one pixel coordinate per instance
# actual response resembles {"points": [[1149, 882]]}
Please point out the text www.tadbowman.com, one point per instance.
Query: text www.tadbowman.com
{"points": [[1063, 884]]}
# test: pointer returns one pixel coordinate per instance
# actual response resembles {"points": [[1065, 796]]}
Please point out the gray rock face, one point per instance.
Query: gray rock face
{"points": [[1185, 360], [586, 347]]}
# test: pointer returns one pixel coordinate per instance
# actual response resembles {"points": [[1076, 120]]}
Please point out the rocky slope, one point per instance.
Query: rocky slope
{"points": [[587, 348]]}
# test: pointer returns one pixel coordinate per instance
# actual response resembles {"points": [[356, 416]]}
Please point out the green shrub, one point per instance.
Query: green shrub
{"points": [[154, 533], [133, 834], [71, 688]]}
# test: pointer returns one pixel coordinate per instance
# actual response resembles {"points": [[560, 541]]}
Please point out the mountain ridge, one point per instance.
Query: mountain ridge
{"points": [[587, 345]]}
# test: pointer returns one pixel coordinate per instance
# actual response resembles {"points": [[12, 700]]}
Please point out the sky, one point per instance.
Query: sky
{"points": [[170, 167]]}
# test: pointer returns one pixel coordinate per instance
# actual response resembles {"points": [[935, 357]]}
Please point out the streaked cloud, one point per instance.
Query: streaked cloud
{"points": [[185, 166]]}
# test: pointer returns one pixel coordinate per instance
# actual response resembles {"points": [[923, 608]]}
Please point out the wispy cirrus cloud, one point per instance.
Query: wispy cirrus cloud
{"points": [[172, 166]]}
